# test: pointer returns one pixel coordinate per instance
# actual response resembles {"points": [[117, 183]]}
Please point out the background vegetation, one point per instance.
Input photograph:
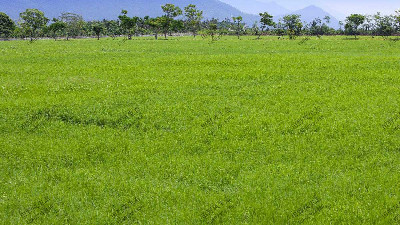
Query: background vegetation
{"points": [[34, 24]]}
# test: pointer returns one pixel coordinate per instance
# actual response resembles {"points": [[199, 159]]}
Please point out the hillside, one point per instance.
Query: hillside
{"points": [[255, 7], [309, 13], [100, 9]]}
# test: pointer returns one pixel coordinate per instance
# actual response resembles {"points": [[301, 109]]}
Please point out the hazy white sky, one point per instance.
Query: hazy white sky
{"points": [[344, 7]]}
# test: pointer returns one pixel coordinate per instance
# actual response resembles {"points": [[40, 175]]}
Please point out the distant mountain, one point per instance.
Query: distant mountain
{"points": [[110, 9], [255, 7], [309, 13]]}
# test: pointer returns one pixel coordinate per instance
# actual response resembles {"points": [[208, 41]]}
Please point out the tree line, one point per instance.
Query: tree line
{"points": [[34, 24]]}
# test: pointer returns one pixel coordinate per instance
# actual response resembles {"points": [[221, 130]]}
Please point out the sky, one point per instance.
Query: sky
{"points": [[343, 7]]}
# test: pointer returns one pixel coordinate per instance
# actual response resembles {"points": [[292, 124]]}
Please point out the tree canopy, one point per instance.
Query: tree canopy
{"points": [[7, 25]]}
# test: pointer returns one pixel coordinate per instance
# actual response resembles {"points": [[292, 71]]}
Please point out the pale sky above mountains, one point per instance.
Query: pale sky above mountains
{"points": [[342, 7]]}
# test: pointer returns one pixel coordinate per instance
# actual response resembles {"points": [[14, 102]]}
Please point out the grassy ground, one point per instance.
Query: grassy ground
{"points": [[196, 132]]}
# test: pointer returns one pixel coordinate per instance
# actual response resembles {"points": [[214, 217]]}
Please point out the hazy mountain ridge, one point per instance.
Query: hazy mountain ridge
{"points": [[255, 7], [106, 9], [309, 13]]}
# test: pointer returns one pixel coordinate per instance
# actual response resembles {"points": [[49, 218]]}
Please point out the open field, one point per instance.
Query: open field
{"points": [[196, 132]]}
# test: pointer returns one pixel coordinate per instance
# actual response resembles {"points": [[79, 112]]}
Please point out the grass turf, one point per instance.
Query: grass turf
{"points": [[198, 132]]}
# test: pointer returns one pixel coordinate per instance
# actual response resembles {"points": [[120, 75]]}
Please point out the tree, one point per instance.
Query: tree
{"points": [[193, 18], [340, 25], [74, 24], [170, 13], [315, 27], [353, 22], [318, 27], [255, 29], [97, 28], [128, 24], [397, 20], [57, 28], [7, 25], [384, 25], [212, 29], [111, 28], [292, 25], [32, 21], [266, 21], [327, 19], [369, 24], [177, 26], [238, 25], [155, 24]]}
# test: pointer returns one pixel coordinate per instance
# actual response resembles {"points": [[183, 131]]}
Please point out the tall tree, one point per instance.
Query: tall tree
{"points": [[315, 27], [193, 18], [212, 29], [353, 22], [238, 25], [267, 20], [293, 25], [384, 25], [111, 28], [7, 25], [327, 19], [57, 28], [97, 28], [127, 24], [397, 20], [155, 25], [74, 24], [340, 25], [369, 25], [32, 21], [170, 13]]}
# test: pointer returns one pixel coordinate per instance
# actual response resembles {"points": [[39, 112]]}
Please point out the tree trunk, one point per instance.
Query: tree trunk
{"points": [[156, 36], [262, 31]]}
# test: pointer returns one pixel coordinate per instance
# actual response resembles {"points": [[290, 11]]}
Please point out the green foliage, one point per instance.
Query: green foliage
{"points": [[353, 22], [193, 18], [128, 24], [384, 25], [238, 25], [293, 25], [397, 20], [266, 21], [32, 21], [97, 28], [7, 25], [170, 13], [112, 28], [193, 132], [212, 30], [57, 28], [156, 24], [74, 24]]}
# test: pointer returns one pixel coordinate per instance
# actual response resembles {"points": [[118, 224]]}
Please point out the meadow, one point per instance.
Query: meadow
{"points": [[190, 131]]}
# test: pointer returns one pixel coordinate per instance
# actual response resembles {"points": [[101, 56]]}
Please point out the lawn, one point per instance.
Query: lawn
{"points": [[189, 131]]}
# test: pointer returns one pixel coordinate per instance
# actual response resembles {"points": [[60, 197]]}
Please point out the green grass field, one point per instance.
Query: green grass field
{"points": [[191, 131]]}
